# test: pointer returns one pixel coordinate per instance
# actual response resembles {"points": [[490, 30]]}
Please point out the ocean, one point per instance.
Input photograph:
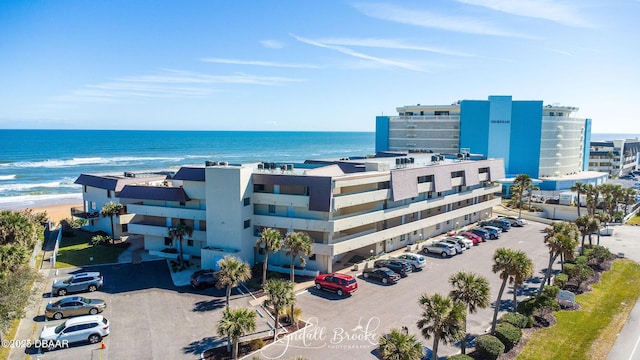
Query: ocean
{"points": [[38, 167]]}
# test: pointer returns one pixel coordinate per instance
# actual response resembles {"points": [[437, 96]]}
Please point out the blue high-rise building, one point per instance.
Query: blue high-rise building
{"points": [[546, 142]]}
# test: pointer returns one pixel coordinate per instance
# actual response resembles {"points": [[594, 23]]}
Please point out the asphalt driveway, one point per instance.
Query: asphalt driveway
{"points": [[150, 317]]}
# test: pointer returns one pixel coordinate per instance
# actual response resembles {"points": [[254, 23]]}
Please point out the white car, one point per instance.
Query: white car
{"points": [[463, 241], [88, 328], [415, 260], [514, 221], [459, 247]]}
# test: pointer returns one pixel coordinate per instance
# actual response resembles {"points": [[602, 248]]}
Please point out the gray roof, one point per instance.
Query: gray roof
{"points": [[154, 193], [115, 183], [190, 174]]}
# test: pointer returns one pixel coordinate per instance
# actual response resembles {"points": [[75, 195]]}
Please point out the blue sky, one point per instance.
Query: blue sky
{"points": [[309, 65]]}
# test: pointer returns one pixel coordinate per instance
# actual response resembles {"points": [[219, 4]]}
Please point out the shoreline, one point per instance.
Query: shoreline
{"points": [[57, 209]]}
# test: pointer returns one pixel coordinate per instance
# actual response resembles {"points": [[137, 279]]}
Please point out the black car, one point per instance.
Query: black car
{"points": [[384, 275], [203, 278], [400, 267]]}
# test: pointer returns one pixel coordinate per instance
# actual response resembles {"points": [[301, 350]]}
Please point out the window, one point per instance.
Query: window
{"points": [[84, 188], [402, 237], [189, 242], [125, 228], [272, 209], [182, 203], [437, 226], [247, 201], [466, 217], [93, 205], [247, 223], [168, 241], [258, 187], [108, 193]]}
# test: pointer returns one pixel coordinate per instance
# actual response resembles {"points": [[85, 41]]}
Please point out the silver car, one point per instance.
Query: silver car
{"points": [[455, 243], [85, 281], [442, 248], [74, 306]]}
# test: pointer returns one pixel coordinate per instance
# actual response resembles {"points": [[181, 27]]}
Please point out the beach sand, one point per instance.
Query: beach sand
{"points": [[57, 212]]}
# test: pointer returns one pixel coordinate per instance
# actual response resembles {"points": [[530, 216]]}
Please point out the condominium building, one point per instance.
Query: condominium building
{"points": [[349, 208], [615, 157], [543, 141]]}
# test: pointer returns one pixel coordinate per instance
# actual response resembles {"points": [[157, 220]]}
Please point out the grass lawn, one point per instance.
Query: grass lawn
{"points": [[634, 220], [77, 251], [590, 332]]}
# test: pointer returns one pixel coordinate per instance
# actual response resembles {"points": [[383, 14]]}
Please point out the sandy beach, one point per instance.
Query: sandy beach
{"points": [[56, 212]]}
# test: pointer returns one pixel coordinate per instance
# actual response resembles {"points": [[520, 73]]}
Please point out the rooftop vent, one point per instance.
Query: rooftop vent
{"points": [[210, 163], [129, 174]]}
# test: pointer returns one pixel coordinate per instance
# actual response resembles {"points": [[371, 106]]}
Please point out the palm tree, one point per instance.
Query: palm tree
{"points": [[399, 345], [471, 290], [523, 271], [593, 227], [232, 271], [299, 245], [505, 263], [628, 195], [272, 241], [561, 239], [179, 232], [579, 188], [610, 156], [235, 323], [583, 224], [279, 294], [443, 318], [522, 182], [604, 219], [111, 209]]}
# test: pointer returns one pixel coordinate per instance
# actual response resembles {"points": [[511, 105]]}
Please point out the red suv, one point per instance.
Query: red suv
{"points": [[471, 236], [340, 283]]}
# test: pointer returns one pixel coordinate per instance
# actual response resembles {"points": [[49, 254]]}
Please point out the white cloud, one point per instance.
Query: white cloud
{"points": [[347, 51], [561, 12], [259, 63], [434, 20], [272, 44], [559, 51], [167, 84], [390, 44]]}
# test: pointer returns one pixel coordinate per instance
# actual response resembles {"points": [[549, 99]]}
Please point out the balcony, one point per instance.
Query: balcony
{"points": [[167, 212], [79, 212], [163, 231]]}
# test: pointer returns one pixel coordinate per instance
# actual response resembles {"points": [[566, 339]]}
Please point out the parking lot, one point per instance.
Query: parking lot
{"points": [[153, 319], [348, 328], [149, 317]]}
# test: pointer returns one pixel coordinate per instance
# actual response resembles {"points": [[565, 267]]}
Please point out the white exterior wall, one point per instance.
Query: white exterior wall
{"points": [[226, 187], [93, 201], [561, 146]]}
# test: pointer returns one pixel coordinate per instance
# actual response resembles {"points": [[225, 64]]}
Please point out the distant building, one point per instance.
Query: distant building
{"points": [[546, 142], [350, 208], [615, 157]]}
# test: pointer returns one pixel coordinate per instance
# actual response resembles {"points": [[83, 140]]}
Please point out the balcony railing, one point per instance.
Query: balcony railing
{"points": [[79, 212]]}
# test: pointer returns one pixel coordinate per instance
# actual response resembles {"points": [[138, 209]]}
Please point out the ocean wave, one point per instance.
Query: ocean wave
{"points": [[66, 183], [8, 177], [31, 201], [84, 161]]}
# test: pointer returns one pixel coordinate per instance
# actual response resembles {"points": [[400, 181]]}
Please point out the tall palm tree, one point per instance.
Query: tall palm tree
{"points": [[583, 224], [299, 245], [236, 323], [579, 188], [441, 318], [628, 195], [471, 290], [399, 345], [561, 239], [110, 210], [604, 219], [179, 232], [272, 241], [593, 227], [522, 271], [505, 263], [279, 294], [231, 272], [522, 182]]}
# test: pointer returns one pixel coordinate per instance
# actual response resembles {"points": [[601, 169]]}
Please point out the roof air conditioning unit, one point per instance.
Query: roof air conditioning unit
{"points": [[210, 163]]}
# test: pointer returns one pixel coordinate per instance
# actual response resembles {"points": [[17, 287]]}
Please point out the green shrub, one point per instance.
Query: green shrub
{"points": [[546, 300], [100, 240], [516, 319], [460, 357], [489, 346], [508, 334], [560, 280], [551, 291], [599, 253], [581, 260], [578, 273], [256, 344]]}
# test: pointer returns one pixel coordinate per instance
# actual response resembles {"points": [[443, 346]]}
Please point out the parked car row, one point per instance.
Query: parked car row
{"points": [[84, 323]]}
